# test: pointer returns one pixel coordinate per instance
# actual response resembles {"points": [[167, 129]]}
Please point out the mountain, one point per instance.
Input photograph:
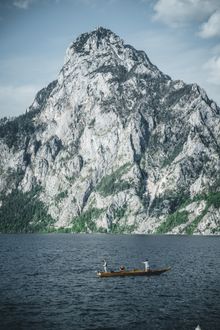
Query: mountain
{"points": [[112, 145]]}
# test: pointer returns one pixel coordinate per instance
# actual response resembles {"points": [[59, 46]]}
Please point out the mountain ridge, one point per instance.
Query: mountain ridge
{"points": [[113, 145]]}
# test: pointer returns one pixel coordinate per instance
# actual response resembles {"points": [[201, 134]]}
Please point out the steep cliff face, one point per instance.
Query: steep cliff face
{"points": [[112, 145]]}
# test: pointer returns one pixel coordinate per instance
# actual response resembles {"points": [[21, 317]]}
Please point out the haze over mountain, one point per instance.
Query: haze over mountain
{"points": [[112, 145]]}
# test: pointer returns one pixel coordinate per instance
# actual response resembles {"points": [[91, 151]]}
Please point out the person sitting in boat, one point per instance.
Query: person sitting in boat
{"points": [[105, 266], [122, 268], [146, 265]]}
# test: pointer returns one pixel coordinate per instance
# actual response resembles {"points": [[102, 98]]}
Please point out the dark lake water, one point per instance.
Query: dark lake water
{"points": [[49, 282]]}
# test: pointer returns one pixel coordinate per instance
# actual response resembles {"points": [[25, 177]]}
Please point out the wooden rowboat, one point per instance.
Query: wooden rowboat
{"points": [[134, 272]]}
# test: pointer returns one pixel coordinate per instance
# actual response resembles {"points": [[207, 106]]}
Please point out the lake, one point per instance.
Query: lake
{"points": [[49, 281]]}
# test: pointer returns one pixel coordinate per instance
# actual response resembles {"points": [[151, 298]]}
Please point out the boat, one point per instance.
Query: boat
{"points": [[133, 272]]}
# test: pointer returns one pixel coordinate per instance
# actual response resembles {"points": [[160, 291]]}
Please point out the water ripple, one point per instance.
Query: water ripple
{"points": [[49, 282]]}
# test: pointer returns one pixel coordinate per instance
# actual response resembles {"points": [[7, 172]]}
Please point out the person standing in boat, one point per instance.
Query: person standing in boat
{"points": [[105, 266], [146, 265]]}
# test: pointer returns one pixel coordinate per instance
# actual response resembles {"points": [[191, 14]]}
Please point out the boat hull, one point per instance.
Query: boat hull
{"points": [[135, 272]]}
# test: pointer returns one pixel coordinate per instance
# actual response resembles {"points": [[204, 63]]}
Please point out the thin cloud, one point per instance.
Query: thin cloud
{"points": [[177, 13], [181, 12], [213, 70], [211, 28], [23, 4]]}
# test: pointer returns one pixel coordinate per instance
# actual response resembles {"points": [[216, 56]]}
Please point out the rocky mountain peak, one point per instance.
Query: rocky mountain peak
{"points": [[94, 40], [102, 47], [112, 145]]}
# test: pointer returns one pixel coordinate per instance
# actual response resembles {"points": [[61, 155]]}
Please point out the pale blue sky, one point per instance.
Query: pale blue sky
{"points": [[182, 37]]}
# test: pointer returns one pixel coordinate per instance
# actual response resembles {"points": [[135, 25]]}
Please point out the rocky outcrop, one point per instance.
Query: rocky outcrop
{"points": [[113, 145]]}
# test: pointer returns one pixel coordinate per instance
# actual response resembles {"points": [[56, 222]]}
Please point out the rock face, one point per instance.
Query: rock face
{"points": [[112, 145]]}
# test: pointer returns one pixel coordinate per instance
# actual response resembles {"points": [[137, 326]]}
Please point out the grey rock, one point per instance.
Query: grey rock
{"points": [[116, 144]]}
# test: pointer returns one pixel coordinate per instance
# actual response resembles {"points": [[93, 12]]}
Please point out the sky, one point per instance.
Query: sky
{"points": [[181, 37]]}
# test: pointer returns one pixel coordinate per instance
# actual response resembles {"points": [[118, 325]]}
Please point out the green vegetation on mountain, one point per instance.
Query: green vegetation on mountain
{"points": [[23, 213], [175, 200], [85, 222], [173, 220], [61, 195], [180, 217], [117, 226], [212, 199], [113, 183], [176, 151], [15, 132]]}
